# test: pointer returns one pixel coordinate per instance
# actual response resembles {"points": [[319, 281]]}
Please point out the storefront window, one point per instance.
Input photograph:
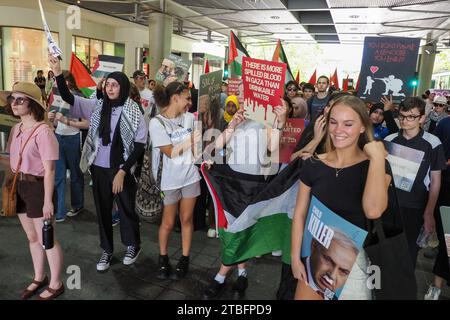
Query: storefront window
{"points": [[108, 48], [82, 49], [24, 52], [95, 50]]}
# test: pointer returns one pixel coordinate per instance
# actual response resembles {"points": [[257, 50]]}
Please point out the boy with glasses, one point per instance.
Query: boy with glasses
{"points": [[418, 205]]}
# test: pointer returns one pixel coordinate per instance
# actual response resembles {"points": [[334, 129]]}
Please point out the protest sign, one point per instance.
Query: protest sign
{"points": [[236, 88], [173, 68], [107, 64], [388, 68], [209, 99], [405, 163], [263, 88], [329, 243], [292, 132]]}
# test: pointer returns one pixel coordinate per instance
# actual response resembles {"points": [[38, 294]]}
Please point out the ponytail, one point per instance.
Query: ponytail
{"points": [[163, 94]]}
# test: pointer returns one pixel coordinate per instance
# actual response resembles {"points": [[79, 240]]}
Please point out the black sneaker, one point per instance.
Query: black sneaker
{"points": [[240, 285], [131, 255], [181, 269], [165, 269], [104, 262], [213, 290]]}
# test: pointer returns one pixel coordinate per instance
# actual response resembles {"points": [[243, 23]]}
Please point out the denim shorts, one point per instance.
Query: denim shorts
{"points": [[175, 195]]}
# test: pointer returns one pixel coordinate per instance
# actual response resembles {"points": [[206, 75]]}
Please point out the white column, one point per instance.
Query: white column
{"points": [[65, 40], [160, 40]]}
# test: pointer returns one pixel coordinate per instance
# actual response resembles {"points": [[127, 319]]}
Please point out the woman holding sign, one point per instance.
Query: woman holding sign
{"points": [[350, 179]]}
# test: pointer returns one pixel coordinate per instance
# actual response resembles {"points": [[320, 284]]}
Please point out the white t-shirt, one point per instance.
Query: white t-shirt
{"points": [[247, 150], [180, 171]]}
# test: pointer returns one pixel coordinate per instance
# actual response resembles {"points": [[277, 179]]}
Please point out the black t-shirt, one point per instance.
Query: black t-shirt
{"points": [[342, 193], [316, 106], [433, 160], [40, 82]]}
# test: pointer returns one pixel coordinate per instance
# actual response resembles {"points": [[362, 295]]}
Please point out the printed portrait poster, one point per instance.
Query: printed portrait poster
{"points": [[405, 163], [173, 68], [445, 217], [236, 88], [263, 88], [291, 135], [388, 67], [107, 64], [329, 249], [209, 98]]}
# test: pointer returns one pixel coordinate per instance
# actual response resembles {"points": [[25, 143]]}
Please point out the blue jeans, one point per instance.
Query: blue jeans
{"points": [[69, 158]]}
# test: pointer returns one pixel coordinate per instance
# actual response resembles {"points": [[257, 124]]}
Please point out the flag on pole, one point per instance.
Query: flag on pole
{"points": [[206, 65], [345, 84], [53, 48], [357, 84], [334, 80], [297, 77], [82, 76], [280, 56], [312, 80], [235, 53]]}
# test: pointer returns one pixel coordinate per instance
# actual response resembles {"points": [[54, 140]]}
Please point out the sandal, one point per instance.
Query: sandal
{"points": [[27, 294], [54, 293]]}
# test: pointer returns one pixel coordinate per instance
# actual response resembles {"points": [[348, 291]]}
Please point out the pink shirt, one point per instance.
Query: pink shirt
{"points": [[42, 146]]}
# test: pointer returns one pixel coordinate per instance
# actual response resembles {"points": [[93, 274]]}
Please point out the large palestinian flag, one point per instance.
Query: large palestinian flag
{"points": [[235, 53], [82, 76], [253, 217], [280, 56]]}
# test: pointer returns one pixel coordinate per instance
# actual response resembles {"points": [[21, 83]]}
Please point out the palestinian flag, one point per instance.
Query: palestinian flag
{"points": [[82, 76], [235, 53], [253, 217], [312, 80], [280, 56], [334, 80]]}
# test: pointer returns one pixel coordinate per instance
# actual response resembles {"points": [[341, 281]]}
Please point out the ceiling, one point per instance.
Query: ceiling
{"points": [[293, 21]]}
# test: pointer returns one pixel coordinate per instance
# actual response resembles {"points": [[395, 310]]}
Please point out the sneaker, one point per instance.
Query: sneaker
{"points": [[277, 253], [432, 293], [105, 260], [115, 219], [181, 269], [60, 219], [164, 269], [211, 233], [241, 284], [213, 290], [74, 212], [131, 255]]}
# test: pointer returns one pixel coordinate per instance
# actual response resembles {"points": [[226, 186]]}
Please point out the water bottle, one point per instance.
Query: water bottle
{"points": [[47, 235], [427, 239]]}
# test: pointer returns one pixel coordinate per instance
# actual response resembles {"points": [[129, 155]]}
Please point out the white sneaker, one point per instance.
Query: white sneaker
{"points": [[211, 233], [103, 263], [432, 293], [131, 255], [277, 253]]}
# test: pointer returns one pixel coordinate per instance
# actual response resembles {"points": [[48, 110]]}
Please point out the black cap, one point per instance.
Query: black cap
{"points": [[138, 73]]}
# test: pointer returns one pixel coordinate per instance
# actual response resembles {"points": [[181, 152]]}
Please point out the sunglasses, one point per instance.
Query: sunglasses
{"points": [[439, 105], [18, 101], [291, 89]]}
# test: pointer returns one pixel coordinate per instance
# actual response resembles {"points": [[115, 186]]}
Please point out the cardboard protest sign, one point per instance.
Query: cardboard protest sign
{"points": [[388, 67], [57, 104], [292, 132], [107, 64], [445, 217], [173, 68], [52, 46], [328, 235], [405, 163], [263, 88], [236, 88], [209, 99]]}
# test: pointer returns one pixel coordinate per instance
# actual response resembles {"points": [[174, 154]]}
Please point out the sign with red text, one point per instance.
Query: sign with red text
{"points": [[236, 88], [263, 88], [388, 68], [291, 135]]}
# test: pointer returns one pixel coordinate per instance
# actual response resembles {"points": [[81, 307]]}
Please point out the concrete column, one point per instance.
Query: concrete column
{"points": [[160, 39], [65, 40], [130, 57], [428, 55]]}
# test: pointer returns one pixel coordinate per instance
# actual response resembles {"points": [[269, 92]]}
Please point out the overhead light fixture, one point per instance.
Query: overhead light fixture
{"points": [[353, 29], [274, 17], [354, 16], [78, 1], [288, 29]]}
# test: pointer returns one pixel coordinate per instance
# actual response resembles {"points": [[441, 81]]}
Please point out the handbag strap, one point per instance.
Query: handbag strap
{"points": [[20, 154], [161, 155]]}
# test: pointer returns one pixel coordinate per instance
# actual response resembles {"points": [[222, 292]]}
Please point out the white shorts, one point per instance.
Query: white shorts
{"points": [[175, 195]]}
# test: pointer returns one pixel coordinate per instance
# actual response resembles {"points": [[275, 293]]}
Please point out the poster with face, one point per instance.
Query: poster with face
{"points": [[388, 68], [173, 68], [445, 217], [263, 88], [329, 249], [209, 99]]}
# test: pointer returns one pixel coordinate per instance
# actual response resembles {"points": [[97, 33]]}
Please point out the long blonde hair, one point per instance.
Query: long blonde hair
{"points": [[359, 107]]}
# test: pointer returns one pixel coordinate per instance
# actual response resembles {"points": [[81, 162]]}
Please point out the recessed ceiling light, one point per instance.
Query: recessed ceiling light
{"points": [[354, 37], [354, 16], [353, 29], [287, 28], [274, 17]]}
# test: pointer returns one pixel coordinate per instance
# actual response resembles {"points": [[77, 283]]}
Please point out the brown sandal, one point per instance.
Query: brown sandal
{"points": [[27, 294], [54, 293]]}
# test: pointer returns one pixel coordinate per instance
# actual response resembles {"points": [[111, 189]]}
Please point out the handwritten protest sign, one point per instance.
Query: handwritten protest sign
{"points": [[263, 88], [292, 132]]}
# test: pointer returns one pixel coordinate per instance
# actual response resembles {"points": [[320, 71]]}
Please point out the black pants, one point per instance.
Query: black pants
{"points": [[413, 221], [288, 284], [103, 196], [441, 265]]}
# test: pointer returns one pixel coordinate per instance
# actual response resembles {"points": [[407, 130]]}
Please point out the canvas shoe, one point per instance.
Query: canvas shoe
{"points": [[211, 233], [131, 255], [74, 212], [433, 293], [104, 262]]}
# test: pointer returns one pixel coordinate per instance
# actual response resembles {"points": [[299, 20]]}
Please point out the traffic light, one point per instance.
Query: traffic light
{"points": [[414, 83], [225, 73]]}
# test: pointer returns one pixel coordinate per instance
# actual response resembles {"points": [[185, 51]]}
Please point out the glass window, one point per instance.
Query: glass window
{"points": [[119, 50], [24, 52], [108, 48], [82, 49], [95, 50]]}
